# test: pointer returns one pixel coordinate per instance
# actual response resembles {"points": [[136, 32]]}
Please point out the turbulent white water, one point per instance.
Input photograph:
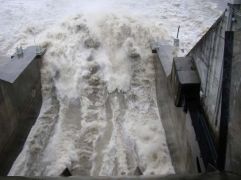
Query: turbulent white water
{"points": [[99, 113]]}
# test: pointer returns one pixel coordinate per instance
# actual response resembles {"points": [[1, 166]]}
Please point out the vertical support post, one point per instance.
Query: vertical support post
{"points": [[225, 103]]}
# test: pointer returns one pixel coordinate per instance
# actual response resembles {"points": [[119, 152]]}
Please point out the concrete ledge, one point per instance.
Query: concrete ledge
{"points": [[165, 54]]}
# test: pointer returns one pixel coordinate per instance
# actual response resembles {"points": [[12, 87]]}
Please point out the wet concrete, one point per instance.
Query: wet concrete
{"points": [[20, 103], [234, 143], [175, 123], [208, 57]]}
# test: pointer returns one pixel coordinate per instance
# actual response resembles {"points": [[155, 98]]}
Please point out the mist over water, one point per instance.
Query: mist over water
{"points": [[99, 115]]}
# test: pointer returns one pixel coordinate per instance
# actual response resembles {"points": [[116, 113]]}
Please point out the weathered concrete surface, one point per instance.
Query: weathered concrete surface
{"points": [[11, 70], [176, 124], [208, 57], [166, 52], [234, 139], [3, 60], [20, 103]]}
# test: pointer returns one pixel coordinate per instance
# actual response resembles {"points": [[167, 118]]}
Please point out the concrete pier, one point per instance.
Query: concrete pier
{"points": [[20, 103], [177, 124], [211, 132], [233, 162]]}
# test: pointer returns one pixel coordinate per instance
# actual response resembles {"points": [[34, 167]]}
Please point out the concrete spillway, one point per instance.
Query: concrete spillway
{"points": [[165, 102], [193, 130]]}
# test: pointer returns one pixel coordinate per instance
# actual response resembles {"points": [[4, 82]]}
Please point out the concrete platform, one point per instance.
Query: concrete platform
{"points": [[165, 54], [13, 67]]}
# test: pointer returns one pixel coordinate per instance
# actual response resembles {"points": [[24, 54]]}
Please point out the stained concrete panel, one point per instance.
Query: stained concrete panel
{"points": [[20, 103], [234, 131], [174, 121], [208, 57], [10, 71]]}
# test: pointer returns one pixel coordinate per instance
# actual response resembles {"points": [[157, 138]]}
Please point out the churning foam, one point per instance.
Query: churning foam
{"points": [[99, 115]]}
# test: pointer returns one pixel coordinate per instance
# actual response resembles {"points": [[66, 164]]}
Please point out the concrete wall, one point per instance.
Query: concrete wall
{"points": [[234, 132], [20, 103], [208, 57], [177, 124]]}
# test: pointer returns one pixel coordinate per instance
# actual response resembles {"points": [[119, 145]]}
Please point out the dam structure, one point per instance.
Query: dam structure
{"points": [[205, 85], [197, 97], [21, 101]]}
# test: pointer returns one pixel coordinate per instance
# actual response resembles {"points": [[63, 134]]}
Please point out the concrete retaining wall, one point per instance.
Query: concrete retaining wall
{"points": [[208, 57], [234, 131], [20, 103], [177, 124]]}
